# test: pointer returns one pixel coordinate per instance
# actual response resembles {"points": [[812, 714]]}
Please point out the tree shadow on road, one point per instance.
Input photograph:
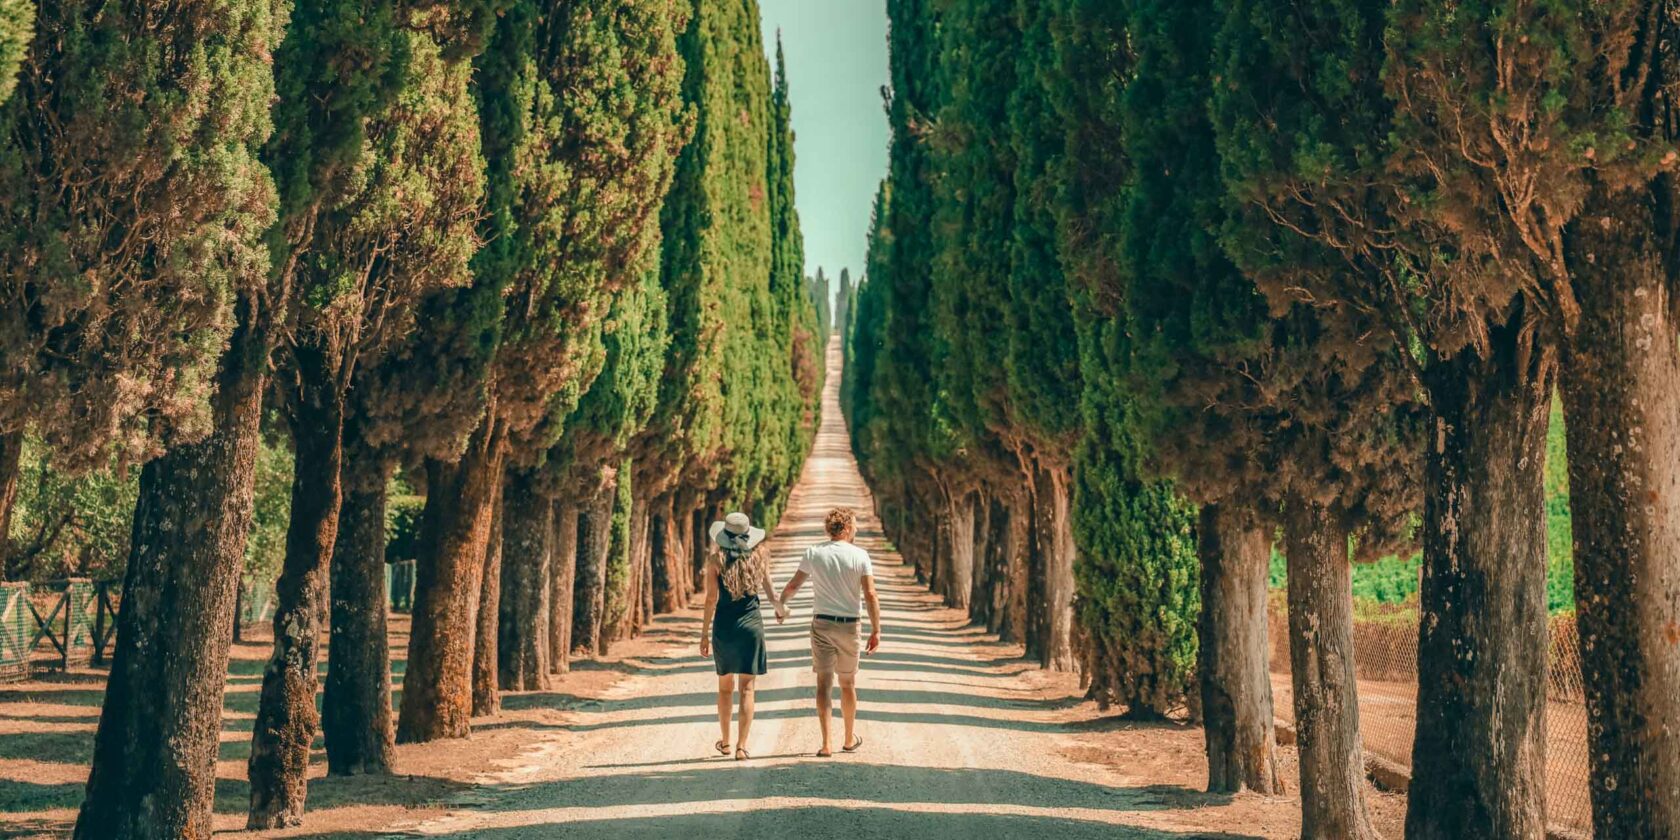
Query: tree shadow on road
{"points": [[823, 823]]}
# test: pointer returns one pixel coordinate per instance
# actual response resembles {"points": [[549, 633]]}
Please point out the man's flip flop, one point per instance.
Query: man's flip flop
{"points": [[722, 747], [825, 754], [855, 744]]}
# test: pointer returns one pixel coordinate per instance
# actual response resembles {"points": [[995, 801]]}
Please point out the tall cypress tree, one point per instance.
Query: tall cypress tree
{"points": [[843, 300], [382, 215], [574, 181], [118, 303], [134, 207]]}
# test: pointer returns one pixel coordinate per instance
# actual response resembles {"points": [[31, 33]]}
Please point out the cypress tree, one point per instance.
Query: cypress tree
{"points": [[895, 428], [382, 213], [118, 304], [130, 164], [843, 302], [1553, 203], [17, 26], [573, 183]]}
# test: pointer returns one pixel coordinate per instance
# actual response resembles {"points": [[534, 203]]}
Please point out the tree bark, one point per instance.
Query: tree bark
{"points": [[562, 581], [154, 755], [527, 543], [1621, 395], [454, 532], [959, 575], [11, 465], [589, 595], [286, 717], [641, 539], [667, 595], [1236, 686], [1050, 590], [1016, 548], [1479, 758], [487, 617], [1321, 661], [356, 706]]}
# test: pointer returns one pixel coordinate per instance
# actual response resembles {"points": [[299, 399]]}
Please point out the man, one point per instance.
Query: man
{"points": [[840, 572]]}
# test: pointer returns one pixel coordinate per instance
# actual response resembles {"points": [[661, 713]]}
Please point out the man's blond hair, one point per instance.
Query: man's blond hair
{"points": [[839, 521]]}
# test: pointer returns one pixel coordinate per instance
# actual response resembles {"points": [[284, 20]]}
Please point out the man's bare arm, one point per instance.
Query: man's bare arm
{"points": [[792, 587], [873, 602]]}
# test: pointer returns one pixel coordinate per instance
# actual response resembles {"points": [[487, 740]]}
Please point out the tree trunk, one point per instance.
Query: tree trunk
{"points": [[286, 717], [486, 618], [1479, 758], [641, 531], [1321, 668], [154, 756], [454, 532], [356, 707], [1621, 397], [1017, 558], [527, 542], [11, 464], [589, 595], [562, 580], [959, 576], [698, 520], [983, 583], [667, 597], [1236, 686], [1051, 589]]}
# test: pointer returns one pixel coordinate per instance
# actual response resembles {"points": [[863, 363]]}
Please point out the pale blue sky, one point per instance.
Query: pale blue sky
{"points": [[836, 65]]}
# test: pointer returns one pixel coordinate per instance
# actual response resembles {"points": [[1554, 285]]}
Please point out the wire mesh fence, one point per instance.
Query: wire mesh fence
{"points": [[1385, 663]]}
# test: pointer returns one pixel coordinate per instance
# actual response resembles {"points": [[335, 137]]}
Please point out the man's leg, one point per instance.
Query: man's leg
{"points": [[825, 684], [726, 691], [848, 707], [746, 684]]}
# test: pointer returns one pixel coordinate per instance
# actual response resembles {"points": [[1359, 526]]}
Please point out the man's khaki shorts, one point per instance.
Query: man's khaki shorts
{"points": [[834, 646]]}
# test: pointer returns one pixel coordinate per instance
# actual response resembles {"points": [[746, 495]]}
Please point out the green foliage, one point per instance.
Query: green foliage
{"points": [[17, 26], [271, 510], [402, 526], [581, 123], [1136, 576], [78, 524], [732, 417], [132, 208]]}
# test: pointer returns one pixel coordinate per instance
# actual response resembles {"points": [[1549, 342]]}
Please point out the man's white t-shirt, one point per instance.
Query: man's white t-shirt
{"points": [[836, 569]]}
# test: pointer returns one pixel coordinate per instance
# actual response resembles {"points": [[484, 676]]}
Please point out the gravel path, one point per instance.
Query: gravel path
{"points": [[962, 739]]}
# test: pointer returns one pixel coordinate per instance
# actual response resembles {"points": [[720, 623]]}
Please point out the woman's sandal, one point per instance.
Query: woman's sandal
{"points": [[722, 747], [855, 744], [741, 754]]}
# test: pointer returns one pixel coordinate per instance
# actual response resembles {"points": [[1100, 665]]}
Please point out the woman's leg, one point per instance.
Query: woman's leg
{"points": [[746, 684], [726, 688]]}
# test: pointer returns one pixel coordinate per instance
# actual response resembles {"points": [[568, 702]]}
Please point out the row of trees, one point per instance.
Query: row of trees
{"points": [[1155, 283], [539, 257]]}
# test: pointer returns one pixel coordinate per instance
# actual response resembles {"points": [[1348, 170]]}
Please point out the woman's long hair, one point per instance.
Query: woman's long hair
{"points": [[740, 568]]}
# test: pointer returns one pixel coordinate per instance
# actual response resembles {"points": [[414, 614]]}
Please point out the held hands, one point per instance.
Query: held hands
{"points": [[706, 644], [874, 641], [781, 613]]}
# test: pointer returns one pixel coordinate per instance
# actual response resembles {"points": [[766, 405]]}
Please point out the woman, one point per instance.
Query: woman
{"points": [[731, 625]]}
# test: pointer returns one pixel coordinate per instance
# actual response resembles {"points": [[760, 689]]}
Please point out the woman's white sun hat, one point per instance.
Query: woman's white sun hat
{"points": [[737, 529]]}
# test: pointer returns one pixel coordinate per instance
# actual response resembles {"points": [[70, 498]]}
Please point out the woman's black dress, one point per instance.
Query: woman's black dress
{"points": [[737, 629]]}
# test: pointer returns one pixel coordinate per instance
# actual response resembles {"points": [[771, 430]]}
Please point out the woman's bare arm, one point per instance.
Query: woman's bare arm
{"points": [[709, 576]]}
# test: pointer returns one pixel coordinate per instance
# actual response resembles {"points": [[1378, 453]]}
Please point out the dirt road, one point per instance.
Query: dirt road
{"points": [[962, 738]]}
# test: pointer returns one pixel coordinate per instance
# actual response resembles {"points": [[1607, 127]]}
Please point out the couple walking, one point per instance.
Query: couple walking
{"points": [[733, 634]]}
